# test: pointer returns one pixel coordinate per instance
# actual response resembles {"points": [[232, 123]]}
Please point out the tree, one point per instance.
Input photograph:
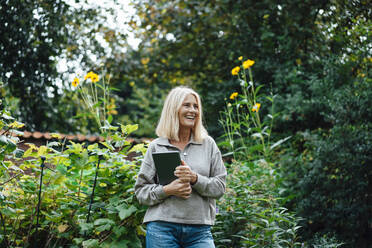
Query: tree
{"points": [[35, 35], [198, 42]]}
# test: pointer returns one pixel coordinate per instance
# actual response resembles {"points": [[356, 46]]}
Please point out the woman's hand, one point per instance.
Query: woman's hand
{"points": [[185, 174], [178, 188]]}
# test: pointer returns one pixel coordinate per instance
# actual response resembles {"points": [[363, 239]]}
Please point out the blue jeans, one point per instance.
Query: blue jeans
{"points": [[162, 234]]}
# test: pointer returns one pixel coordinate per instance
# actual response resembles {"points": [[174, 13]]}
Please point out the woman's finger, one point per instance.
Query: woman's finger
{"points": [[183, 168]]}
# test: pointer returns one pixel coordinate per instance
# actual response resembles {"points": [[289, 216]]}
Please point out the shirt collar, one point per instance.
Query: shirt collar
{"points": [[165, 141]]}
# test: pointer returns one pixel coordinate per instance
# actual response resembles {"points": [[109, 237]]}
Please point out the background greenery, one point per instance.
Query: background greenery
{"points": [[314, 56]]}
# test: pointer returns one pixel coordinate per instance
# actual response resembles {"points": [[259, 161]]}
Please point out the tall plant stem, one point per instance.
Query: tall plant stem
{"points": [[97, 114], [81, 178], [41, 183], [251, 80], [229, 131], [94, 187], [104, 98]]}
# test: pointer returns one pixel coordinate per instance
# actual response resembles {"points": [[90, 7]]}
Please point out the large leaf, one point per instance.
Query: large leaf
{"points": [[125, 212], [279, 142], [91, 243]]}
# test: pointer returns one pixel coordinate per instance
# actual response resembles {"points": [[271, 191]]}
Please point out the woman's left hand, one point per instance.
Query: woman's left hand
{"points": [[185, 174]]}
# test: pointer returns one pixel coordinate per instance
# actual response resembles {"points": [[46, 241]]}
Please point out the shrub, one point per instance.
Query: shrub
{"points": [[69, 212], [329, 178], [249, 214], [72, 194]]}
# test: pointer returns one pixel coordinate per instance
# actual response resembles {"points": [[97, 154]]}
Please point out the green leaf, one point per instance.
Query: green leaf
{"points": [[257, 135], [92, 147], [3, 140], [258, 89], [119, 230], [86, 226], [91, 243], [107, 145], [117, 244], [105, 227], [103, 221], [126, 212], [128, 129], [11, 146], [138, 148], [109, 119], [279, 142], [7, 117], [54, 143], [18, 153]]}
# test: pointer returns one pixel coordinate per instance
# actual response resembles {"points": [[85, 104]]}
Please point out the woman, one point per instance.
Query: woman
{"points": [[181, 213]]}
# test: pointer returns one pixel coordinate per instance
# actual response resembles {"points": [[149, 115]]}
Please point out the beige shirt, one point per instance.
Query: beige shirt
{"points": [[205, 159]]}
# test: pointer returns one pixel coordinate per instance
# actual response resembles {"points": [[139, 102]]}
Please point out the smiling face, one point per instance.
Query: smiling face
{"points": [[188, 114]]}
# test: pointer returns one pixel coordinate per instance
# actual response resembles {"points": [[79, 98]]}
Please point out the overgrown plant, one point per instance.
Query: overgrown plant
{"points": [[115, 216], [250, 214], [86, 193], [246, 129], [95, 94]]}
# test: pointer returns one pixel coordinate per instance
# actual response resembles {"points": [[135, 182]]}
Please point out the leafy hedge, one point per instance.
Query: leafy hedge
{"points": [[87, 197], [328, 174]]}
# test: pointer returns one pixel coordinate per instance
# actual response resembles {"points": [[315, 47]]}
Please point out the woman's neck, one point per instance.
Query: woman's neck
{"points": [[184, 135]]}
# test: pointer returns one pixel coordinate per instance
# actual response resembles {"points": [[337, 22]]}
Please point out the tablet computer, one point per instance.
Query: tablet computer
{"points": [[165, 164]]}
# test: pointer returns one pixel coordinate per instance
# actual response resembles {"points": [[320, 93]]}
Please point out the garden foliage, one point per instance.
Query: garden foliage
{"points": [[250, 214], [66, 193], [38, 38], [327, 173], [313, 62]]}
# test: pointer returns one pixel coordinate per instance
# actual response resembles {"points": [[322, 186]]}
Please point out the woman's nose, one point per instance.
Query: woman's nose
{"points": [[193, 109]]}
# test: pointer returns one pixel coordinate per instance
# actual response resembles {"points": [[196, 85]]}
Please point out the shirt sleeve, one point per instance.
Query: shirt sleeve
{"points": [[146, 190], [213, 186]]}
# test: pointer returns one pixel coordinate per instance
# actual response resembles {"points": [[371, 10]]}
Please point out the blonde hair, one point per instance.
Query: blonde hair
{"points": [[168, 126]]}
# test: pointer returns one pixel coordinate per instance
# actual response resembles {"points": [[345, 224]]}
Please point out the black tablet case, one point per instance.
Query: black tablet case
{"points": [[165, 164]]}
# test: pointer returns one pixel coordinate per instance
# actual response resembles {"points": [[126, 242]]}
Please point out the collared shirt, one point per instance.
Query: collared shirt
{"points": [[205, 159]]}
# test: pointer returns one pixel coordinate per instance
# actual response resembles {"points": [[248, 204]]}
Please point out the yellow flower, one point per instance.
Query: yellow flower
{"points": [[240, 58], [256, 107], [233, 95], [132, 83], [235, 70], [113, 112], [248, 63], [92, 76], [145, 61], [76, 82], [266, 16], [89, 75]]}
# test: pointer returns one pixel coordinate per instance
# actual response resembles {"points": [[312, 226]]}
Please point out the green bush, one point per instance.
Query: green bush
{"points": [[250, 215], [329, 177], [115, 217], [324, 241]]}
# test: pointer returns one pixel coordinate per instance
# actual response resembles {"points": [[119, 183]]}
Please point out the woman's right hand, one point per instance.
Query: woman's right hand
{"points": [[178, 188]]}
